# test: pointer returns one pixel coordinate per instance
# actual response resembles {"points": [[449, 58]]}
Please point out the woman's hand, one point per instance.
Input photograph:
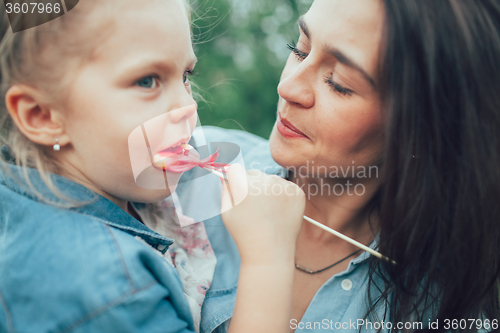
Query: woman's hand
{"points": [[267, 217]]}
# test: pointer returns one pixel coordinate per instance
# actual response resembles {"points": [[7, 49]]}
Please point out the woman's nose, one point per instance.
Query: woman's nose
{"points": [[295, 86]]}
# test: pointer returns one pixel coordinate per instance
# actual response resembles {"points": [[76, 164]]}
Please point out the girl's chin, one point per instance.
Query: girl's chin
{"points": [[151, 196], [154, 179]]}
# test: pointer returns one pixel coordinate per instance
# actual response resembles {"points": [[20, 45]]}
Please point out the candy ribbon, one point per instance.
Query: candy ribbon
{"points": [[186, 162]]}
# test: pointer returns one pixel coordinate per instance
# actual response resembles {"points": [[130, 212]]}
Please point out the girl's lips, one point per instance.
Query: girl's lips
{"points": [[175, 159], [286, 129], [185, 157]]}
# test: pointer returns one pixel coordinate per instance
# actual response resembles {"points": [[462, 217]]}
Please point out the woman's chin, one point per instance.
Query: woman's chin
{"points": [[281, 152]]}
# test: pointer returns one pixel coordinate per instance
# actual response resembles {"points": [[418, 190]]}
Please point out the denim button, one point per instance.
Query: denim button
{"points": [[346, 284]]}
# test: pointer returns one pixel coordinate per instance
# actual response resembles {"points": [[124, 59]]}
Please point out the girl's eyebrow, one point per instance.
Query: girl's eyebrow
{"points": [[340, 56], [193, 61], [154, 62]]}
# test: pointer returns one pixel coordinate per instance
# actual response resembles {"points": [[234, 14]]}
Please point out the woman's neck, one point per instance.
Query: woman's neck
{"points": [[341, 204]]}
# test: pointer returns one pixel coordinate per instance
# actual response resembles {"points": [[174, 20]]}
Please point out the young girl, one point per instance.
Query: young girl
{"points": [[74, 255]]}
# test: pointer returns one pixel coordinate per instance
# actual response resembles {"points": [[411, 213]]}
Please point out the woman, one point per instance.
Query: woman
{"points": [[408, 90]]}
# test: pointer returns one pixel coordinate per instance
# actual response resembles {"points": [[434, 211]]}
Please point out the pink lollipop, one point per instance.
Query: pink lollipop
{"points": [[184, 158]]}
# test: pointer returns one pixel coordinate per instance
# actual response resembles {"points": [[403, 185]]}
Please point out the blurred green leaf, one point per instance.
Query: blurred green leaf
{"points": [[241, 49]]}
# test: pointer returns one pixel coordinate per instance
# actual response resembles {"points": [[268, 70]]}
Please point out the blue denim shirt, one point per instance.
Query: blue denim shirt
{"points": [[337, 305], [90, 269]]}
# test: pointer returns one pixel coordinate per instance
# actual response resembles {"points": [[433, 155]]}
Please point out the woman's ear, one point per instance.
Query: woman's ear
{"points": [[36, 119]]}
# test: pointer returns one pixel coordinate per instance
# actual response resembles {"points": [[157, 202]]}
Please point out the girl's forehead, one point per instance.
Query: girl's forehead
{"points": [[159, 29]]}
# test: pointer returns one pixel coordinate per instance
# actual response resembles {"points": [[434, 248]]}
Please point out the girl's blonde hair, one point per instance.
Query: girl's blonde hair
{"points": [[42, 57]]}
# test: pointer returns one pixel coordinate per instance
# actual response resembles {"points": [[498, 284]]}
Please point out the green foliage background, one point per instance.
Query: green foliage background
{"points": [[241, 50]]}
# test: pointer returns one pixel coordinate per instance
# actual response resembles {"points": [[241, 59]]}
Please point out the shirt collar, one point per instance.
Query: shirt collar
{"points": [[95, 205], [365, 255], [360, 260]]}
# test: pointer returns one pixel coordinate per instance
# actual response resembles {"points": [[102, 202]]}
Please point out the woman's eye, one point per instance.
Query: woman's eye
{"points": [[293, 47], [338, 88], [148, 82]]}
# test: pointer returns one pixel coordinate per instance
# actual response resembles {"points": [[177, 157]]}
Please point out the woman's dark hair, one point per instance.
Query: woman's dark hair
{"points": [[439, 207]]}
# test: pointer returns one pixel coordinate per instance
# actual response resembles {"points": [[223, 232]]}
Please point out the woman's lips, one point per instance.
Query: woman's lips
{"points": [[286, 129]]}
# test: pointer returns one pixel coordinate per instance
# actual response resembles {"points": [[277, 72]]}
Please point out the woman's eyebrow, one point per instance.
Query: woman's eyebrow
{"points": [[303, 26], [340, 56]]}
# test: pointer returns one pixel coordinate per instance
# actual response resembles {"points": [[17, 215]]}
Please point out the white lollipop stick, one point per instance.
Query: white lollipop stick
{"points": [[324, 227], [348, 239], [217, 173]]}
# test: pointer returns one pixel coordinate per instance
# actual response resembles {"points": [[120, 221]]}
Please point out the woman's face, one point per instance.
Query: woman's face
{"points": [[329, 111]]}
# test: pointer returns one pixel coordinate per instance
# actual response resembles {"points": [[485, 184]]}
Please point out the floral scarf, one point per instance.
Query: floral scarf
{"points": [[191, 254]]}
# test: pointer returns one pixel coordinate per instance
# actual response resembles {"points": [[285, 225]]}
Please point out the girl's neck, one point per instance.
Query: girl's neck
{"points": [[75, 175]]}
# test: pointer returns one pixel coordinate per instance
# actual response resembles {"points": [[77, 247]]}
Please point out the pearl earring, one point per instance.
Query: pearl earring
{"points": [[57, 147]]}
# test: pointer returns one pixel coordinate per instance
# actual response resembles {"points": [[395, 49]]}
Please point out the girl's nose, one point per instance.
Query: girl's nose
{"points": [[182, 114], [184, 105], [295, 85]]}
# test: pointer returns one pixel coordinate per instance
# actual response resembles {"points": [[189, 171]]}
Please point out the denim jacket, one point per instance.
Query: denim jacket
{"points": [[88, 269]]}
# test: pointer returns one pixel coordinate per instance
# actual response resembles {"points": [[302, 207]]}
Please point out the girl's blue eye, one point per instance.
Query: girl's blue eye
{"points": [[188, 73], [147, 82]]}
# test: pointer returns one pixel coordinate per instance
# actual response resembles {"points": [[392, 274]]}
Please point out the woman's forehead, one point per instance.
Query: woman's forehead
{"points": [[353, 27]]}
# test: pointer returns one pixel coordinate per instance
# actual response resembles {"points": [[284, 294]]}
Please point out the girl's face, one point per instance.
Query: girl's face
{"points": [[329, 111], [138, 73]]}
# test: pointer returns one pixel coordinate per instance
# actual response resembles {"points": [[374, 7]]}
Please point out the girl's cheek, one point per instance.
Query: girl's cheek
{"points": [[193, 121]]}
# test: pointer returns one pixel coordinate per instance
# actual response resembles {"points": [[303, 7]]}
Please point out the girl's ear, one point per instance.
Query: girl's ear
{"points": [[35, 118]]}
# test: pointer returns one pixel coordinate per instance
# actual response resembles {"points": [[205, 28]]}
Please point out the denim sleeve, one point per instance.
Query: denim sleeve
{"points": [[146, 310], [223, 328]]}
